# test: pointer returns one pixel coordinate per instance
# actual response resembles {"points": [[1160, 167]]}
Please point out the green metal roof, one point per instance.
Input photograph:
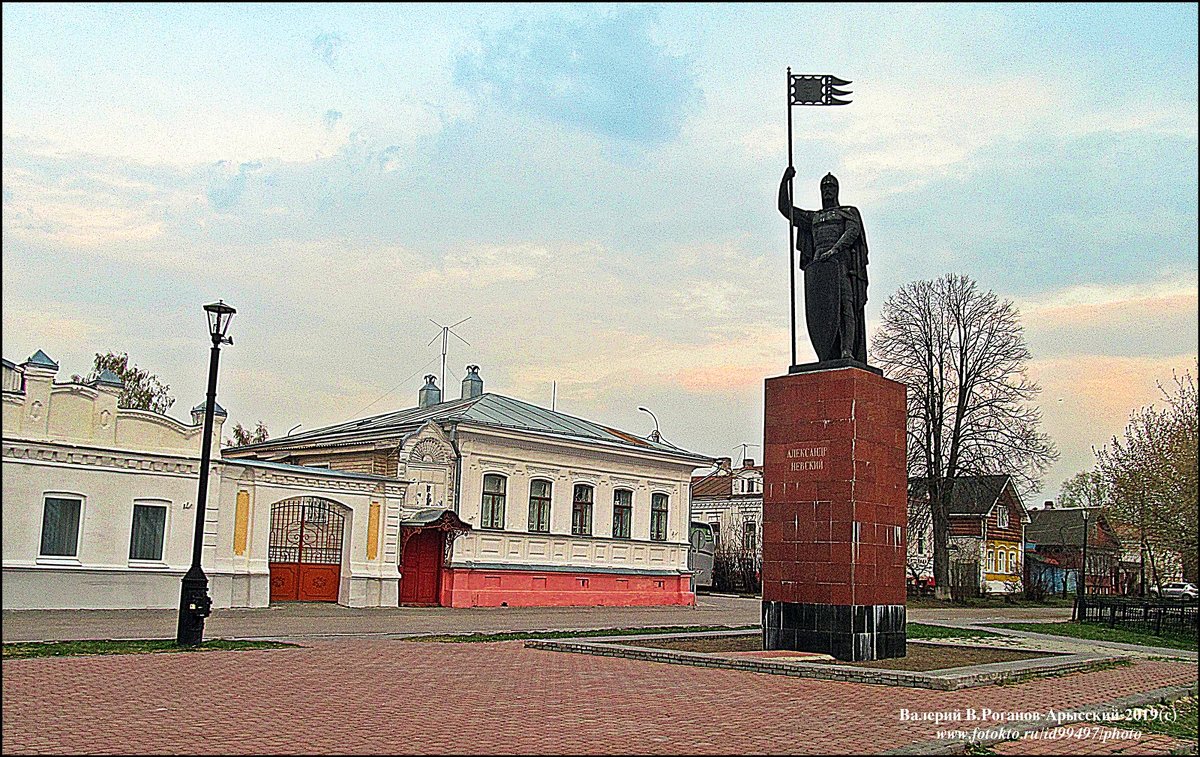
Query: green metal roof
{"points": [[217, 409], [487, 409], [41, 359], [108, 377]]}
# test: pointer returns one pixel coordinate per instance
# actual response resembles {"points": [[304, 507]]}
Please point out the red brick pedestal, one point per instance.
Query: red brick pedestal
{"points": [[834, 512]]}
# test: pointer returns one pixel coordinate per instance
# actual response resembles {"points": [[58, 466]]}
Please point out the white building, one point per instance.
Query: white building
{"points": [[548, 509], [731, 502], [98, 507], [562, 511]]}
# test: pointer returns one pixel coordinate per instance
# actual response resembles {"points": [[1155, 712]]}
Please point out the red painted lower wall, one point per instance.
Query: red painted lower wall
{"points": [[520, 588]]}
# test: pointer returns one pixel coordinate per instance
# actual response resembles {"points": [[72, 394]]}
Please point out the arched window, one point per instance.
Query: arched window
{"points": [[1013, 567], [991, 561], [622, 514], [539, 506], [493, 501], [658, 517], [581, 510]]}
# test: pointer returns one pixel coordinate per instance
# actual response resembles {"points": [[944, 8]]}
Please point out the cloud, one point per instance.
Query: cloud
{"points": [[51, 326], [1151, 318], [327, 46], [227, 183], [1088, 303], [603, 74], [331, 118], [1087, 399], [89, 207]]}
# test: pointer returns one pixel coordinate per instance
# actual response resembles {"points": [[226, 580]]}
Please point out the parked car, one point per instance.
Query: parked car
{"points": [[1176, 590]]}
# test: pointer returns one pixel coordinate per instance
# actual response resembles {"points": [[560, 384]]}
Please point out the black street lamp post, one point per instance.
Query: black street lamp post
{"points": [[1083, 569], [194, 602]]}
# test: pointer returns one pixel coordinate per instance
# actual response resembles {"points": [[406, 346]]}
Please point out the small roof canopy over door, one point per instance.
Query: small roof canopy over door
{"points": [[435, 518]]}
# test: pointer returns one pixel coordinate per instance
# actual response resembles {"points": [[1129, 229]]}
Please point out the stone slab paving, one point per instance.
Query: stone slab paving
{"points": [[371, 695], [297, 620], [314, 619]]}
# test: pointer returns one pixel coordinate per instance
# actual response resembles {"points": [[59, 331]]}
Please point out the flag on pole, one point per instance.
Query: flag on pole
{"points": [[817, 90]]}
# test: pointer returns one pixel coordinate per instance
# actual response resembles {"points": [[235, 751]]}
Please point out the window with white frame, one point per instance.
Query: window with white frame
{"points": [[493, 501], [1013, 566], [622, 514], [149, 530], [1002, 517], [539, 506], [659, 509], [991, 561], [60, 525], [581, 510]]}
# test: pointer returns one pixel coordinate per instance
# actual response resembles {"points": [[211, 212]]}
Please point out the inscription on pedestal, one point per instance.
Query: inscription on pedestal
{"points": [[807, 458]]}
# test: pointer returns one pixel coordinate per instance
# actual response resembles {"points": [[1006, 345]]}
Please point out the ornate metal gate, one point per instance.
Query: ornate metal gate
{"points": [[305, 552]]}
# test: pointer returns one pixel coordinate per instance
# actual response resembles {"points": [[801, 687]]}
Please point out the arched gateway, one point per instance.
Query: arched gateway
{"points": [[306, 549]]}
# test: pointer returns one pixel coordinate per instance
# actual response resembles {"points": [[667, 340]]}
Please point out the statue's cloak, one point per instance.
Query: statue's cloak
{"points": [[856, 270]]}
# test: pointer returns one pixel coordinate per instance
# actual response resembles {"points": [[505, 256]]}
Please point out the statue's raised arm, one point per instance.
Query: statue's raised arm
{"points": [[833, 256]]}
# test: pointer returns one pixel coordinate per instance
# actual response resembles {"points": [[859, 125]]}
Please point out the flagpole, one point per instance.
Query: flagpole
{"points": [[791, 218]]}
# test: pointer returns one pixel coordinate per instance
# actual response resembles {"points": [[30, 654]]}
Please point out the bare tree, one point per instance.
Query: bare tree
{"points": [[963, 355], [737, 561], [917, 559]]}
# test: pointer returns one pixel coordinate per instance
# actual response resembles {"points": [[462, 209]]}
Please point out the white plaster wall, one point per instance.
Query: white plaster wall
{"points": [[101, 575], [522, 460], [730, 513], [364, 582]]}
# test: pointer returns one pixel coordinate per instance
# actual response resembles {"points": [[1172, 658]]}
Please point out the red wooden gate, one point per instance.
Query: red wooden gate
{"points": [[421, 568], [306, 550]]}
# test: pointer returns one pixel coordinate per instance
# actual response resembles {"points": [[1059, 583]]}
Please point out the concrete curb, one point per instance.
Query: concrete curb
{"points": [[950, 679]]}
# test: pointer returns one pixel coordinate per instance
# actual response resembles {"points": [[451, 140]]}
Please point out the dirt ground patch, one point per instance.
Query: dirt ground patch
{"points": [[923, 657], [920, 657], [747, 643]]}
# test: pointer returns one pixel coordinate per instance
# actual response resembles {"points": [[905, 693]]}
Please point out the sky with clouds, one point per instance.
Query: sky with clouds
{"points": [[595, 187]]}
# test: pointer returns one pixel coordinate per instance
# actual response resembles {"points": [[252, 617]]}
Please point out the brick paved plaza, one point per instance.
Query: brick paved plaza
{"points": [[379, 695], [301, 619]]}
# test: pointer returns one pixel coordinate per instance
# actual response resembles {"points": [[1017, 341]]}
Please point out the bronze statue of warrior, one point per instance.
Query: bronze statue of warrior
{"points": [[833, 256]]}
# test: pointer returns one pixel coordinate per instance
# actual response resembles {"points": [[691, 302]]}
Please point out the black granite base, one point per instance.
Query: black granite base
{"points": [[828, 365], [854, 633]]}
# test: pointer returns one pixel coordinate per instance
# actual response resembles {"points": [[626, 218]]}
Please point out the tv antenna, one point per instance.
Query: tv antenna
{"points": [[447, 332], [743, 447]]}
